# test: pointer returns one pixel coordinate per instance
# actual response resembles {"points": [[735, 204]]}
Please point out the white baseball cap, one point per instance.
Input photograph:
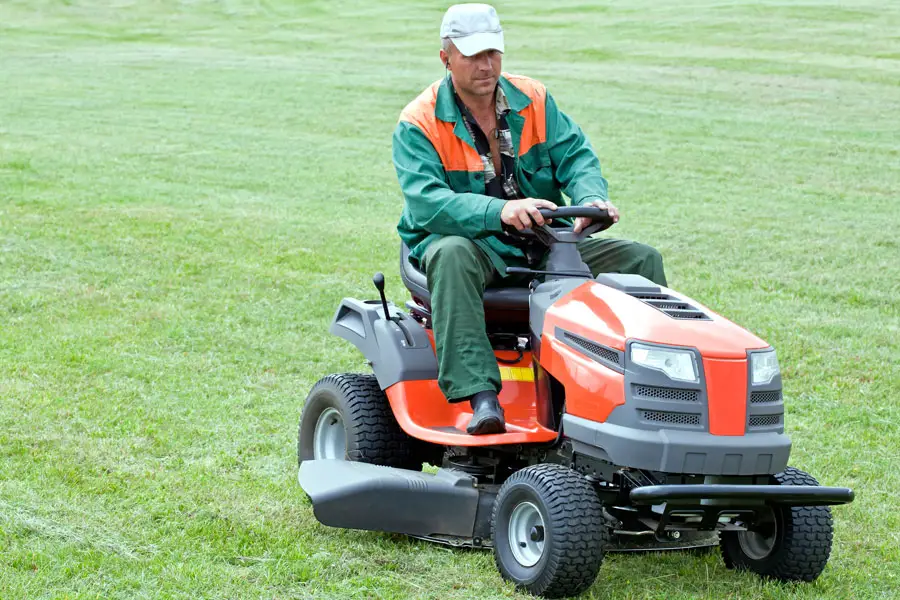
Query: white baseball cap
{"points": [[473, 28]]}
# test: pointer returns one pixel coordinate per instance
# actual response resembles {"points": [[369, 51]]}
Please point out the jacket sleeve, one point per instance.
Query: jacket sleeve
{"points": [[430, 202], [575, 164]]}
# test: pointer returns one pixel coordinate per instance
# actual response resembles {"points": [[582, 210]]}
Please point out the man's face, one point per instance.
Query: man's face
{"points": [[476, 75]]}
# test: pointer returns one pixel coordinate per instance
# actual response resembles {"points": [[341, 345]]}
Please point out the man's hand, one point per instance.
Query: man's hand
{"points": [[582, 222], [520, 213]]}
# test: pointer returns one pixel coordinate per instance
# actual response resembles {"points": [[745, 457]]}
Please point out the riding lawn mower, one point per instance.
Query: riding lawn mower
{"points": [[632, 413]]}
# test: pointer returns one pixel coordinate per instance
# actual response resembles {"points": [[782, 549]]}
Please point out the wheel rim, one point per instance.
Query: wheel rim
{"points": [[330, 438], [526, 534], [759, 544]]}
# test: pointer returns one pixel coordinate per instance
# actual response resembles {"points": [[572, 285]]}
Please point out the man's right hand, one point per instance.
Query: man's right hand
{"points": [[524, 214]]}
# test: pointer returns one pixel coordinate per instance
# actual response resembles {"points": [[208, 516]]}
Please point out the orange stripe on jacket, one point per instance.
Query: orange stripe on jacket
{"points": [[535, 129], [455, 154]]}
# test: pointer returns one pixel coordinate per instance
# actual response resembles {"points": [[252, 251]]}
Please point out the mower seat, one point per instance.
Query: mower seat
{"points": [[501, 304]]}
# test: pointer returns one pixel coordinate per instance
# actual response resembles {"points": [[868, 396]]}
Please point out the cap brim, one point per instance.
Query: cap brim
{"points": [[471, 45]]}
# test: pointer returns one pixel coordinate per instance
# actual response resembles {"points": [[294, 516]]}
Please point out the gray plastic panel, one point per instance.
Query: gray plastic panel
{"points": [[680, 451], [362, 496], [765, 408], [636, 407], [399, 349], [543, 297], [628, 283]]}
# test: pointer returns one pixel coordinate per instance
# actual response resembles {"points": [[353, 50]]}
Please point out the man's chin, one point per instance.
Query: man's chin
{"points": [[485, 87]]}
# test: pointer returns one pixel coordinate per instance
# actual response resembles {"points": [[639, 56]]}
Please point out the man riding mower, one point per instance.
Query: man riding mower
{"points": [[588, 405]]}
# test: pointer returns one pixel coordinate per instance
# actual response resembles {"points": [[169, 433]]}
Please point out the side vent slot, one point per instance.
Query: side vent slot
{"points": [[602, 354]]}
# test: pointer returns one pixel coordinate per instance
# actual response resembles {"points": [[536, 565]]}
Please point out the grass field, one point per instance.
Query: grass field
{"points": [[187, 189]]}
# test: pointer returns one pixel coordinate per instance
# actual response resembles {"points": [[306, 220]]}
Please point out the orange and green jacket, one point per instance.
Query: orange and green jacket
{"points": [[442, 175]]}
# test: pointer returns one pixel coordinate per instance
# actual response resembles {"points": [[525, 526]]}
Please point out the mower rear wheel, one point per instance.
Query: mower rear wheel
{"points": [[791, 543], [348, 417], [548, 531]]}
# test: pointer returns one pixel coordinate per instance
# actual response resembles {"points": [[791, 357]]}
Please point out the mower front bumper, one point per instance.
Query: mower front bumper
{"points": [[790, 495], [679, 451]]}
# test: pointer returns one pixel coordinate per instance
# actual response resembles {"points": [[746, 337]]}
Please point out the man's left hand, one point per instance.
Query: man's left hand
{"points": [[582, 222]]}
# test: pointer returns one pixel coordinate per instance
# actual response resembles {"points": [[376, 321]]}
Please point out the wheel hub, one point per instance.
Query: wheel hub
{"points": [[759, 544], [330, 437], [526, 534]]}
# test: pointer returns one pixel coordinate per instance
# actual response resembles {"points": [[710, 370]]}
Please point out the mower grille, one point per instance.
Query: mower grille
{"points": [[672, 306], [663, 393], [671, 418], [765, 397], [607, 354], [765, 420]]}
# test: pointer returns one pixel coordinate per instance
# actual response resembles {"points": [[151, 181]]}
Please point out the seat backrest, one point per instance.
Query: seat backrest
{"points": [[497, 300]]}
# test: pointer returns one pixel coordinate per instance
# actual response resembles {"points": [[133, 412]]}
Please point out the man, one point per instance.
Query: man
{"points": [[476, 152]]}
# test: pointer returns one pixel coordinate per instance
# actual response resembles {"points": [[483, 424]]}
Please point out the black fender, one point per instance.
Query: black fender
{"points": [[397, 348]]}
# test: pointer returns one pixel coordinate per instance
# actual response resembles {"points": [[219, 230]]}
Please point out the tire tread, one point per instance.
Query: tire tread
{"points": [[374, 436], [576, 523], [806, 547]]}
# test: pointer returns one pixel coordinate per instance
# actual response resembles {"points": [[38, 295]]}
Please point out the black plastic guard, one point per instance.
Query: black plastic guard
{"points": [[792, 495], [355, 495]]}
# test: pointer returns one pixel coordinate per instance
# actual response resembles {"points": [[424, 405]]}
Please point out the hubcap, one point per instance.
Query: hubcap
{"points": [[329, 438], [526, 534], [759, 544]]}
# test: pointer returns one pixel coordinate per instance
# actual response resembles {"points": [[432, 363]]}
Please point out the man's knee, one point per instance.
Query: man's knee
{"points": [[650, 263], [450, 248], [454, 258]]}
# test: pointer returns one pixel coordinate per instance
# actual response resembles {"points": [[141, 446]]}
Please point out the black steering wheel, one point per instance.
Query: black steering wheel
{"points": [[551, 235]]}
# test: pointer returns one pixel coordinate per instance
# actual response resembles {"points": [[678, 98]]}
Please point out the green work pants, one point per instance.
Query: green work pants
{"points": [[458, 272]]}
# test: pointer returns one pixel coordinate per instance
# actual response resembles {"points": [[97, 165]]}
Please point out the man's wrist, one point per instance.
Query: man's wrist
{"points": [[594, 198], [492, 221]]}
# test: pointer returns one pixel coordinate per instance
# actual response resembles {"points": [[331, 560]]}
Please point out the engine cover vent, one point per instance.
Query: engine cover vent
{"points": [[672, 306]]}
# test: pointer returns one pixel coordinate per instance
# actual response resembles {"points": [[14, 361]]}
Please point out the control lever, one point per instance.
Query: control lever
{"points": [[378, 280]]}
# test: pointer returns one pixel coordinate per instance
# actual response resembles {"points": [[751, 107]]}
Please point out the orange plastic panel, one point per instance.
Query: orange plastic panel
{"points": [[610, 317], [726, 387], [424, 413], [592, 390]]}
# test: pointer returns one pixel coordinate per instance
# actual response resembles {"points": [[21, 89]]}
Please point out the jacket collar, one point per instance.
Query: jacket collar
{"points": [[446, 110]]}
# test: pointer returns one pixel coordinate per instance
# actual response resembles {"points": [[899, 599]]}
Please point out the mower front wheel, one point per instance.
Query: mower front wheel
{"points": [[348, 417], [548, 530], [790, 543]]}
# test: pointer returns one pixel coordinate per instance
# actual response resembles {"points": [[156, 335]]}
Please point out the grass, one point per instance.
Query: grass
{"points": [[187, 189]]}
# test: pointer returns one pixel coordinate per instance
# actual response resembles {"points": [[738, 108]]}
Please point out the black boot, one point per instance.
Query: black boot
{"points": [[488, 417]]}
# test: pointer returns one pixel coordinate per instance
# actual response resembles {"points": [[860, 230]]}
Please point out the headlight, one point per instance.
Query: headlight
{"points": [[763, 367], [679, 365]]}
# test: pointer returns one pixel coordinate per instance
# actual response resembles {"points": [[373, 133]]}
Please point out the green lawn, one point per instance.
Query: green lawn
{"points": [[187, 189]]}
